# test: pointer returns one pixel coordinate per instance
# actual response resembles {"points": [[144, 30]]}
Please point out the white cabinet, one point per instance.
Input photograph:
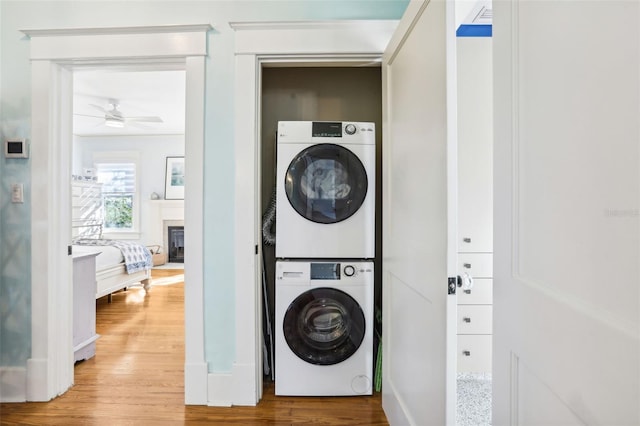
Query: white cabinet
{"points": [[84, 306], [475, 353], [475, 203], [477, 265], [480, 294]]}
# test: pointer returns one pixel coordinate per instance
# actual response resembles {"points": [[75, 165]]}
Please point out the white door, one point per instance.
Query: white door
{"points": [[567, 185], [415, 210]]}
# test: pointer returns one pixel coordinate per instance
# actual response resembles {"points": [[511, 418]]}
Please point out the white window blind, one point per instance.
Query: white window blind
{"points": [[117, 178]]}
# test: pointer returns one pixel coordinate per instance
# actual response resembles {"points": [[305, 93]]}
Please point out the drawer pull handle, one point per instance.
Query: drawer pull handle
{"points": [[466, 353], [467, 291], [466, 319], [467, 265], [466, 240]]}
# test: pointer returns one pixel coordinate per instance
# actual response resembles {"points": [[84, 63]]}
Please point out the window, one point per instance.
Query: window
{"points": [[118, 195]]}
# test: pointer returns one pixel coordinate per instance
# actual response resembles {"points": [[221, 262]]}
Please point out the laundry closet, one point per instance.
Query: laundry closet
{"points": [[318, 94], [418, 248]]}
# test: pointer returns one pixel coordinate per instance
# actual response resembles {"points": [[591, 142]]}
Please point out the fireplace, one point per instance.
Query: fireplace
{"points": [[173, 240], [175, 237]]}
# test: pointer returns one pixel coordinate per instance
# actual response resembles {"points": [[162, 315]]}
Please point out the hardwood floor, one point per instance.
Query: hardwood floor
{"points": [[136, 377]]}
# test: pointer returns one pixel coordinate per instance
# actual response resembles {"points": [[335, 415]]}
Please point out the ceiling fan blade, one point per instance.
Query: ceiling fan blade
{"points": [[92, 116], [98, 107], [151, 119]]}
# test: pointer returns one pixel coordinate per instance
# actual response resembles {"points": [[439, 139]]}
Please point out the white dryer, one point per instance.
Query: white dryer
{"points": [[324, 328], [325, 194]]}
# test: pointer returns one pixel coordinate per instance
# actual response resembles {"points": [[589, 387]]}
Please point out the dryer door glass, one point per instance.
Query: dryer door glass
{"points": [[326, 183], [324, 326]]}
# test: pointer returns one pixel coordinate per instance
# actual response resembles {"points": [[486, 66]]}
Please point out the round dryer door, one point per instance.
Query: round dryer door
{"points": [[326, 183], [324, 326]]}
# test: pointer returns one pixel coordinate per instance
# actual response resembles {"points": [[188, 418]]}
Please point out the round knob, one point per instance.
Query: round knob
{"points": [[350, 129], [349, 270]]}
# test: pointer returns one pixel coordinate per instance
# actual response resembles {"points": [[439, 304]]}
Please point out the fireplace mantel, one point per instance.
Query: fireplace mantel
{"points": [[161, 211]]}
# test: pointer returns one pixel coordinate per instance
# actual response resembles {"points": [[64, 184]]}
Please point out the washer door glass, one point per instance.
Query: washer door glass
{"points": [[326, 183], [324, 326]]}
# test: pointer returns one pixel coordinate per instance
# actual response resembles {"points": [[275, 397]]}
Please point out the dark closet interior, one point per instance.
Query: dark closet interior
{"points": [[319, 93]]}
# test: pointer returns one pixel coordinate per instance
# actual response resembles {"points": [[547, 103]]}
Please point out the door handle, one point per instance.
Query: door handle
{"points": [[466, 319], [466, 353]]}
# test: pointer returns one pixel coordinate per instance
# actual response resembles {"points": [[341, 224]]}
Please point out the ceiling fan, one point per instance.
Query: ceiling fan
{"points": [[114, 118]]}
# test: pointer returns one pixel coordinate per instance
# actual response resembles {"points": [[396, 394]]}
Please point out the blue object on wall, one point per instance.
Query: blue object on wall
{"points": [[474, 30]]}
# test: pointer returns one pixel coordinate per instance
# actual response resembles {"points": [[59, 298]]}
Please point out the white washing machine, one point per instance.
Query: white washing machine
{"points": [[324, 328], [325, 194]]}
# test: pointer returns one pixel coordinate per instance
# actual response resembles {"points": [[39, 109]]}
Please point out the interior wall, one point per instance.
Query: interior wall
{"points": [[15, 107], [319, 94], [153, 151]]}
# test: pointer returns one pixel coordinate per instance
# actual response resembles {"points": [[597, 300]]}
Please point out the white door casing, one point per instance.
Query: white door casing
{"points": [[338, 43], [567, 189], [419, 232], [54, 55]]}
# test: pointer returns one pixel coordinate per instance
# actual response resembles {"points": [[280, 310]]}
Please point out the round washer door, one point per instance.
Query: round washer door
{"points": [[326, 183], [324, 326]]}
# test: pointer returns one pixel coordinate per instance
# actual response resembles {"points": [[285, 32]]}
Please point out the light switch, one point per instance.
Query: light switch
{"points": [[17, 193]]}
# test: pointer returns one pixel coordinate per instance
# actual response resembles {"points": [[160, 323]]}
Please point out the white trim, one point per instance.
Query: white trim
{"points": [[331, 38], [50, 368], [219, 386], [158, 29], [13, 384], [258, 44], [247, 305], [118, 43], [53, 55], [195, 363], [247, 380]]}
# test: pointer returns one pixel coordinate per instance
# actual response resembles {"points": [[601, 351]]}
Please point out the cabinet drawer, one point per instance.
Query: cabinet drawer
{"points": [[480, 294], [478, 265], [475, 319], [474, 354]]}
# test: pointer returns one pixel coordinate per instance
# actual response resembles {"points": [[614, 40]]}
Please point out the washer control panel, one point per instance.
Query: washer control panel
{"points": [[332, 271]]}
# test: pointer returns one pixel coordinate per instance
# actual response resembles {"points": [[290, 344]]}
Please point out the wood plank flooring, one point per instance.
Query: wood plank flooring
{"points": [[137, 376]]}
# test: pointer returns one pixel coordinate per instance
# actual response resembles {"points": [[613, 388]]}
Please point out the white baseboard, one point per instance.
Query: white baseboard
{"points": [[195, 384], [220, 386], [13, 384]]}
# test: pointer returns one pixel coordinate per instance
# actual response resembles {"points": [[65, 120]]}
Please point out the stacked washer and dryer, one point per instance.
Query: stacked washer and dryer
{"points": [[325, 245]]}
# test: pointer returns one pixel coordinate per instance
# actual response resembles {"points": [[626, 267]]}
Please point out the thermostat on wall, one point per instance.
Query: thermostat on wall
{"points": [[15, 148]]}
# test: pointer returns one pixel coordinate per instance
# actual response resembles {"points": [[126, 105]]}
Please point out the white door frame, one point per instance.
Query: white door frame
{"points": [[54, 55], [338, 43]]}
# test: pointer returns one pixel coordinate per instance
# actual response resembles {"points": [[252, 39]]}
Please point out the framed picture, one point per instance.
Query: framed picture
{"points": [[174, 179]]}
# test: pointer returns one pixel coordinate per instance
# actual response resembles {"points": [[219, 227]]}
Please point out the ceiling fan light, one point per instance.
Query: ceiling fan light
{"points": [[112, 122]]}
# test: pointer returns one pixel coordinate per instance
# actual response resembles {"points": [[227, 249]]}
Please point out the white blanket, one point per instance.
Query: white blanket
{"points": [[136, 256]]}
